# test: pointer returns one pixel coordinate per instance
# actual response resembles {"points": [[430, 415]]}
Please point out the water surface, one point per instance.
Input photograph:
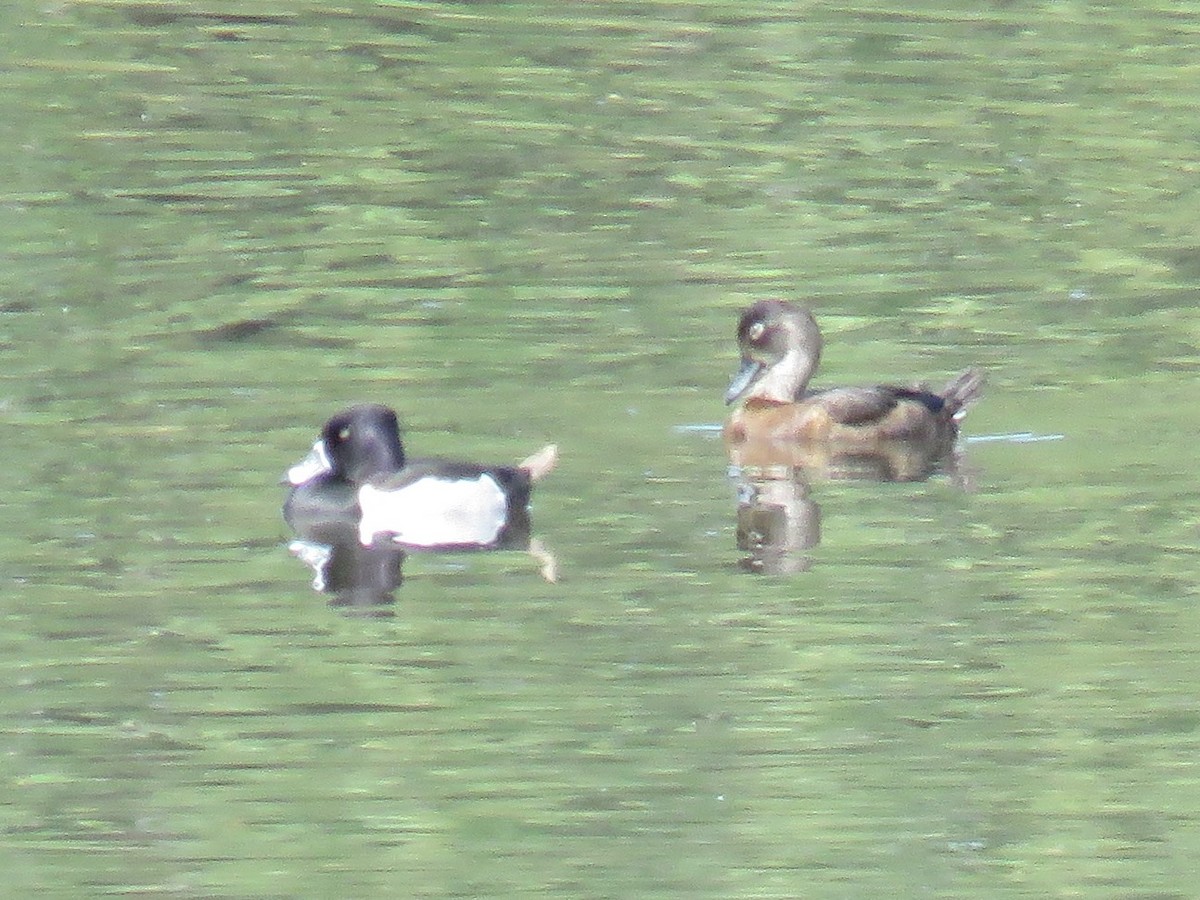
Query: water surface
{"points": [[521, 223]]}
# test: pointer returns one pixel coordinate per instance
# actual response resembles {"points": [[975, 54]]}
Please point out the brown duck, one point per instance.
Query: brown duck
{"points": [[780, 420]]}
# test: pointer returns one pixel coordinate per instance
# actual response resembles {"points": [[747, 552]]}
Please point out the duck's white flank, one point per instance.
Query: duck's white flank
{"points": [[433, 512], [316, 463]]}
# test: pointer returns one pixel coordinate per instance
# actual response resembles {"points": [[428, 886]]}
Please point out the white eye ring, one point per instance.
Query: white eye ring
{"points": [[756, 331]]}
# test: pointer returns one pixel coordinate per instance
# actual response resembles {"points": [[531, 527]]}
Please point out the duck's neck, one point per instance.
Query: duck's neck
{"points": [[786, 380], [377, 456]]}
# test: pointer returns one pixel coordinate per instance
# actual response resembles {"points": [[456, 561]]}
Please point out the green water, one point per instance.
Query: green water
{"points": [[522, 223]]}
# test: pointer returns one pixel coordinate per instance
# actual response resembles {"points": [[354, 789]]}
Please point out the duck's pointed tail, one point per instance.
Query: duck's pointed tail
{"points": [[961, 391], [540, 464]]}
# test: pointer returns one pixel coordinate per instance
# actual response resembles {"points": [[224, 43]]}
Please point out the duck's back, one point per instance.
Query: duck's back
{"points": [[861, 416]]}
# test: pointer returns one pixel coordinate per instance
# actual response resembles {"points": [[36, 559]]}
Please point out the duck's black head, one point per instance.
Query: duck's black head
{"points": [[363, 442]]}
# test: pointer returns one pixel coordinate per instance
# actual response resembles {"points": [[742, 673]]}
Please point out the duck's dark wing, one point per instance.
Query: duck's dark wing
{"points": [[861, 406], [449, 470]]}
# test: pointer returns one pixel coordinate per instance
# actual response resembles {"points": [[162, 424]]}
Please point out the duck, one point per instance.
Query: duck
{"points": [[779, 418], [357, 477]]}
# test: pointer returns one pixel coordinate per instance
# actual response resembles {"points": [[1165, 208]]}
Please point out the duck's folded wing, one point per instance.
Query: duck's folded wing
{"points": [[856, 406]]}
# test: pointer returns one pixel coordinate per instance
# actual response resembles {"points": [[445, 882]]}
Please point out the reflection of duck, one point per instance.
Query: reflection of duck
{"points": [[883, 431], [830, 460], [357, 471], [357, 578], [778, 523]]}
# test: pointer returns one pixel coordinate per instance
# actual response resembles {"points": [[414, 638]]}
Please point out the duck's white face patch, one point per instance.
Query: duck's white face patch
{"points": [[434, 512], [316, 463]]}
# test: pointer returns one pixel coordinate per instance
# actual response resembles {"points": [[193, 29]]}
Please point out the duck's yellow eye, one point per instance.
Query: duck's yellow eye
{"points": [[756, 331], [344, 434]]}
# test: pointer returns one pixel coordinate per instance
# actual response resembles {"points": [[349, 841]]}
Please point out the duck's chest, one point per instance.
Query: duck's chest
{"points": [[779, 422]]}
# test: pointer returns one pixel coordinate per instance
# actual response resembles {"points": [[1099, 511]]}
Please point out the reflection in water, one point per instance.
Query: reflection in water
{"points": [[778, 522], [829, 461], [355, 577], [362, 578]]}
